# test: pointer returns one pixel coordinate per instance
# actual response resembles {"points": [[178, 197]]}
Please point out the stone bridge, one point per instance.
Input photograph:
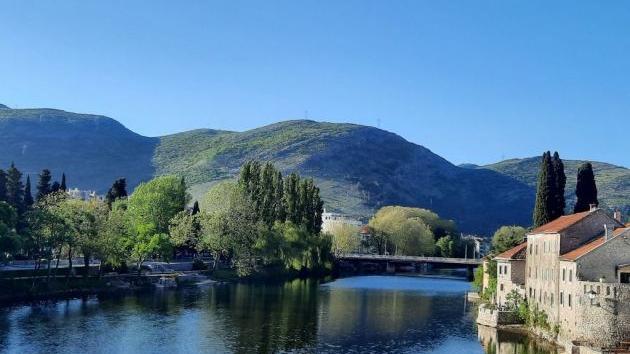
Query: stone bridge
{"points": [[393, 263]]}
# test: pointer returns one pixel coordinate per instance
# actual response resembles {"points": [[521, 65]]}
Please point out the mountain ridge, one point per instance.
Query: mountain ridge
{"points": [[359, 168]]}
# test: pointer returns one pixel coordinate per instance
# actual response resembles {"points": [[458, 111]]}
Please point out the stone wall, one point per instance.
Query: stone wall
{"points": [[493, 317]]}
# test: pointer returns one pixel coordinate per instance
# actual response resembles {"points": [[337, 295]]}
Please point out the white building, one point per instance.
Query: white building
{"points": [[331, 220]]}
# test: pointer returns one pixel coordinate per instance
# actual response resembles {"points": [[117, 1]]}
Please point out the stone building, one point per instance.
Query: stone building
{"points": [[332, 220], [575, 269], [511, 273]]}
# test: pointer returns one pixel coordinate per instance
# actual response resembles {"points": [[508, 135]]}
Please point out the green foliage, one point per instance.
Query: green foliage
{"points": [[117, 191], [157, 201], [507, 237], [559, 187], [15, 189], [9, 240], [345, 239], [477, 283], [185, 229], [413, 231], [585, 189]]}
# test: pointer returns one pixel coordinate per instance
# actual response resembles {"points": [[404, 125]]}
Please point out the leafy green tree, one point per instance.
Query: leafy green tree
{"points": [[9, 241], [507, 237], [445, 246], [15, 189], [586, 189], [85, 218], [402, 231], [185, 230], [144, 241], [118, 190], [116, 233], [545, 193], [292, 198], [157, 201], [560, 182], [345, 239], [43, 184], [28, 195]]}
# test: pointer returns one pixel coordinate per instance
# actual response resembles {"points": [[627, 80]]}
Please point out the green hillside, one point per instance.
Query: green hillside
{"points": [[613, 182], [358, 168]]}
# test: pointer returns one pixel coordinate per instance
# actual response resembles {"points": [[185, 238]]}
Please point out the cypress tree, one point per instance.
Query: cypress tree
{"points": [[28, 196], [318, 208], [63, 182], [195, 208], [545, 192], [267, 195], [15, 189], [3, 186], [560, 183], [43, 184], [586, 189], [116, 191]]}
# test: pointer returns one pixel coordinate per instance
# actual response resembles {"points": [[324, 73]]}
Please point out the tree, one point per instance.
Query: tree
{"points": [[195, 209], [345, 239], [43, 184], [545, 192], [586, 189], [3, 186], [445, 246], [157, 201], [560, 182], [28, 196], [401, 230], [507, 237], [145, 241], [62, 186], [85, 219], [9, 241], [15, 189], [185, 230], [117, 191]]}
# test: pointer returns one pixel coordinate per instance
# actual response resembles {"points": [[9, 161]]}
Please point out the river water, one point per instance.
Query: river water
{"points": [[366, 314]]}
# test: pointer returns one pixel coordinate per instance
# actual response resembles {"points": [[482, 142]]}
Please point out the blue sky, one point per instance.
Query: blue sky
{"points": [[474, 81]]}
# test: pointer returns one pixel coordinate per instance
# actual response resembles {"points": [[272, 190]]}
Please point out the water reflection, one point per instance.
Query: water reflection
{"points": [[511, 342], [361, 314]]}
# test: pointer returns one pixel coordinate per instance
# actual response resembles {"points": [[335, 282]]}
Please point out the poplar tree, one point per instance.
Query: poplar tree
{"points": [[292, 199], [545, 192], [559, 186], [585, 189], [43, 184]]}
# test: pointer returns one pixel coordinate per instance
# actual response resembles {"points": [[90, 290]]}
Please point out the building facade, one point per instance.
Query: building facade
{"points": [[575, 269]]}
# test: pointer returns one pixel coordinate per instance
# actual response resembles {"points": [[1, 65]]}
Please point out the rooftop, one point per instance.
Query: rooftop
{"points": [[518, 252], [561, 223], [591, 246]]}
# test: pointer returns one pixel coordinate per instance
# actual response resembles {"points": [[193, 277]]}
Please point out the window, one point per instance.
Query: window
{"points": [[530, 292], [561, 298], [551, 299], [569, 300], [536, 249], [529, 272], [608, 291], [501, 287], [564, 273], [570, 275]]}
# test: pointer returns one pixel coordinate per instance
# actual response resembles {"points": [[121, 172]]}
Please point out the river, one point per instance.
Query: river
{"points": [[365, 314]]}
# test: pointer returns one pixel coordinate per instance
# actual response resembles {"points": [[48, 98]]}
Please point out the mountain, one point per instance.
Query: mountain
{"points": [[613, 182], [92, 150], [358, 168]]}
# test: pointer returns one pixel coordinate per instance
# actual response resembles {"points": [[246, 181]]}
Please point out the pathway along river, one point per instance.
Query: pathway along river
{"points": [[366, 314]]}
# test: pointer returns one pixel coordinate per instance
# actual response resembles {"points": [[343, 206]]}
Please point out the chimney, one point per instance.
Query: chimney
{"points": [[608, 232], [617, 216], [592, 207]]}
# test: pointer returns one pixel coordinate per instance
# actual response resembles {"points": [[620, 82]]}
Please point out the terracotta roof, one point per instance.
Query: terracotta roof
{"points": [[560, 224], [518, 252], [590, 246], [584, 249]]}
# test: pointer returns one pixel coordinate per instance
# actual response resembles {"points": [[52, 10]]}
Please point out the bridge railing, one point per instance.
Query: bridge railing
{"points": [[380, 257]]}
